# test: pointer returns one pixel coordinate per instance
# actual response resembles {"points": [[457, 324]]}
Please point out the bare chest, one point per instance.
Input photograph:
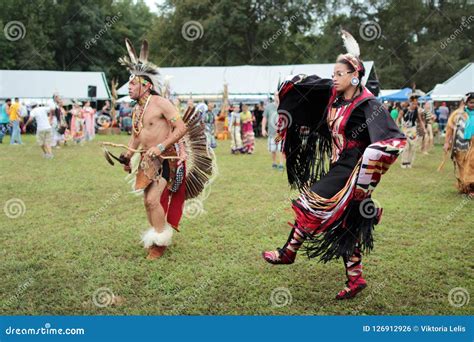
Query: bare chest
{"points": [[150, 124]]}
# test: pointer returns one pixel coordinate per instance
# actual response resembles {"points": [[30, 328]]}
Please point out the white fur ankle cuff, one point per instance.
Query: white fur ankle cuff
{"points": [[152, 237]]}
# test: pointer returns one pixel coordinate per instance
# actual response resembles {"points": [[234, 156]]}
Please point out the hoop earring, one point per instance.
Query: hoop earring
{"points": [[354, 81]]}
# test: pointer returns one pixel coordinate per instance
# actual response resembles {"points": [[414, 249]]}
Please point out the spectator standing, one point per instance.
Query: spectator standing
{"points": [[269, 124], [15, 119], [43, 128], [4, 119], [443, 117]]}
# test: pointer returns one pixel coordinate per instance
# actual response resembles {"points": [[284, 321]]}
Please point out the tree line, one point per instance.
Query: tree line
{"points": [[410, 41]]}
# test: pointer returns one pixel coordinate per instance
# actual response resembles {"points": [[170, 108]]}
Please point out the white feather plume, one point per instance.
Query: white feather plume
{"points": [[350, 43]]}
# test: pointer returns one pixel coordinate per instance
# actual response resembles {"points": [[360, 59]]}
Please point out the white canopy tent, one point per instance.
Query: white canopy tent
{"points": [[456, 87], [245, 81], [36, 84], [124, 99]]}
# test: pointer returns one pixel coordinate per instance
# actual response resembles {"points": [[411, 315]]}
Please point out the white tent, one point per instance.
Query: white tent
{"points": [[243, 81], [456, 87], [124, 99], [35, 84]]}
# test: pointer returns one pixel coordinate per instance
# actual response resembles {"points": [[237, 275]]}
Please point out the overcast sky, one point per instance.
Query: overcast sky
{"points": [[152, 4]]}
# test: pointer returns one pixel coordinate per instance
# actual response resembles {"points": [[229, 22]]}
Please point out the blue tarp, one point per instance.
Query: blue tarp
{"points": [[401, 95]]}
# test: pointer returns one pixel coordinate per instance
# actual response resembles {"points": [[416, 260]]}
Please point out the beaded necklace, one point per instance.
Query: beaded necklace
{"points": [[137, 120]]}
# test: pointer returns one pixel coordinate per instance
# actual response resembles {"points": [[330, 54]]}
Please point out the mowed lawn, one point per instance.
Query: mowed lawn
{"points": [[74, 247]]}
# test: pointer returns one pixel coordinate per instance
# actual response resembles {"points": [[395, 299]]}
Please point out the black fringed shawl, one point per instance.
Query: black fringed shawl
{"points": [[303, 128], [307, 145]]}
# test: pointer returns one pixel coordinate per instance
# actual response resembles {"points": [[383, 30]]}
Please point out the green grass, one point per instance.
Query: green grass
{"points": [[53, 258]]}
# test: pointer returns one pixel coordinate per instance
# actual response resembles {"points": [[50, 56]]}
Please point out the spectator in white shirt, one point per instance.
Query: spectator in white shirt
{"points": [[42, 115]]}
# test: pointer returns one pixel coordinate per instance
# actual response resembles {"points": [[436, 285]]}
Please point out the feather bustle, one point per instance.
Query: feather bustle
{"points": [[199, 168]]}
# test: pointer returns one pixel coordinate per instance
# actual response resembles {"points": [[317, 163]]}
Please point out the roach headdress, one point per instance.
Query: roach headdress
{"points": [[140, 66]]}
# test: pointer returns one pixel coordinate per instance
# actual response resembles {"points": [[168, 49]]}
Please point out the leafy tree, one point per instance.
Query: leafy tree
{"points": [[411, 41]]}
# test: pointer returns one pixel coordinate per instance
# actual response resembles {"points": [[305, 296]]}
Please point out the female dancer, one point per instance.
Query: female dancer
{"points": [[247, 129], [338, 140]]}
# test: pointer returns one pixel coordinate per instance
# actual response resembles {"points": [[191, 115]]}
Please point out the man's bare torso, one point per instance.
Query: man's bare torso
{"points": [[155, 126]]}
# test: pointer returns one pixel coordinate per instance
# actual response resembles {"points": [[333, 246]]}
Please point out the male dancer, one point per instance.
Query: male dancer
{"points": [[157, 128]]}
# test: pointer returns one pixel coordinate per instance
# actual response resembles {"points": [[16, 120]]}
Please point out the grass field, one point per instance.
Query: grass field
{"points": [[75, 242]]}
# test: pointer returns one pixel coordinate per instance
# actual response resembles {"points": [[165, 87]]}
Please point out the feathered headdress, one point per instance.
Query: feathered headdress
{"points": [[140, 66], [353, 51]]}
